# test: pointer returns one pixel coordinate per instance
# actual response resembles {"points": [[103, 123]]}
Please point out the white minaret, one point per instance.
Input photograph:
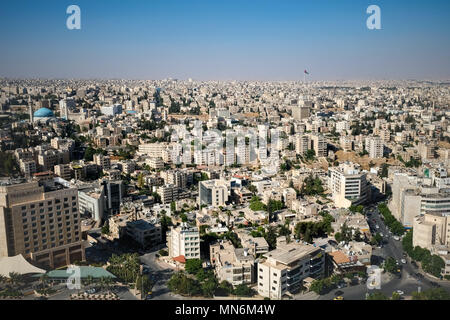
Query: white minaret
{"points": [[30, 109]]}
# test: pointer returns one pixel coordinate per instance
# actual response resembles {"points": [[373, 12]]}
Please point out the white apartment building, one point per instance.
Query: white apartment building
{"points": [[184, 241], [375, 147], [285, 268], [348, 185], [153, 150]]}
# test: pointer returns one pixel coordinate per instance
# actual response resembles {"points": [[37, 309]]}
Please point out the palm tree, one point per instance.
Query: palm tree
{"points": [[15, 278], [89, 280]]}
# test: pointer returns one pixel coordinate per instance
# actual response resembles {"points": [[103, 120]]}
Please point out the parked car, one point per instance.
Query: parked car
{"points": [[403, 261], [400, 292]]}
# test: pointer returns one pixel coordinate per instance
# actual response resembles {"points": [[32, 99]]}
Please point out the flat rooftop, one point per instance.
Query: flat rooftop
{"points": [[289, 253]]}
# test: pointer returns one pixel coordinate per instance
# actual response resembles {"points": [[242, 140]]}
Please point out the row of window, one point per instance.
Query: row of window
{"points": [[49, 203]]}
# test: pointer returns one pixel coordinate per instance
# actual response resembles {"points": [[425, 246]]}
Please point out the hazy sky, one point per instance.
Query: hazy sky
{"points": [[224, 40]]}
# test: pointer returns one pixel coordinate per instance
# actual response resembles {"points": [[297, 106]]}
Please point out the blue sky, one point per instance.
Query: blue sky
{"points": [[224, 40]]}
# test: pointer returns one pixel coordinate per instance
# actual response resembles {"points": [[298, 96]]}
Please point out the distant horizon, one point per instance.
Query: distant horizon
{"points": [[220, 80], [231, 40]]}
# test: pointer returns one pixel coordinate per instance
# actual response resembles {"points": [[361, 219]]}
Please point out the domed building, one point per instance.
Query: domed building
{"points": [[43, 114]]}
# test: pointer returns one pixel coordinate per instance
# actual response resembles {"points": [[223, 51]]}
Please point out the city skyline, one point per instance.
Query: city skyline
{"points": [[204, 40]]}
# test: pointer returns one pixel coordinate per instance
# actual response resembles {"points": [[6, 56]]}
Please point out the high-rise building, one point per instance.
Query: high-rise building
{"points": [[41, 222]]}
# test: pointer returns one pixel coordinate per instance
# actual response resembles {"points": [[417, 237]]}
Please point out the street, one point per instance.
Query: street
{"points": [[160, 275], [408, 282]]}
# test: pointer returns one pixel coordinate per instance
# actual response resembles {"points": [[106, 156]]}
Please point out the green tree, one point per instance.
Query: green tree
{"points": [[431, 294], [377, 295], [271, 237], [193, 265], [390, 265], [242, 290]]}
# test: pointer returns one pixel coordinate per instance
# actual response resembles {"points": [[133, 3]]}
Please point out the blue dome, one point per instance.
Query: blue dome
{"points": [[43, 113]]}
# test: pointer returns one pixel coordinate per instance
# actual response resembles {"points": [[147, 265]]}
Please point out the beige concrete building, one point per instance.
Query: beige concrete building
{"points": [[42, 223], [102, 161], [27, 167], [231, 264], [301, 143], [300, 112], [319, 144], [213, 193], [63, 171]]}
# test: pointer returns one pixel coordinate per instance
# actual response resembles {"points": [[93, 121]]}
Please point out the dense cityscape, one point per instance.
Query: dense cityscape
{"points": [[186, 189]]}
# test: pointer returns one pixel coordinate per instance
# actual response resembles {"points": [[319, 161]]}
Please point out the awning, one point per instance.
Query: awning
{"points": [[17, 264]]}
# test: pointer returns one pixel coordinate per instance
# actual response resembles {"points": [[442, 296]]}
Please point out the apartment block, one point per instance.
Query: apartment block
{"points": [[235, 265], [213, 193], [184, 241], [283, 270]]}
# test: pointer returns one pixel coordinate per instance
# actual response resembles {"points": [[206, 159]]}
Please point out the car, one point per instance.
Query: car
{"points": [[339, 298], [396, 238], [377, 226], [435, 284], [381, 234], [403, 261], [400, 292], [339, 293]]}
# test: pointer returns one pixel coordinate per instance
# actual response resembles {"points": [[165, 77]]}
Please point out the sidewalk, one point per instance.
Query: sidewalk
{"points": [[307, 296]]}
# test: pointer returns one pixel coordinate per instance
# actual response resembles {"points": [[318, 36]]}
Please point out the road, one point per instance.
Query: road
{"points": [[407, 281], [160, 275]]}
